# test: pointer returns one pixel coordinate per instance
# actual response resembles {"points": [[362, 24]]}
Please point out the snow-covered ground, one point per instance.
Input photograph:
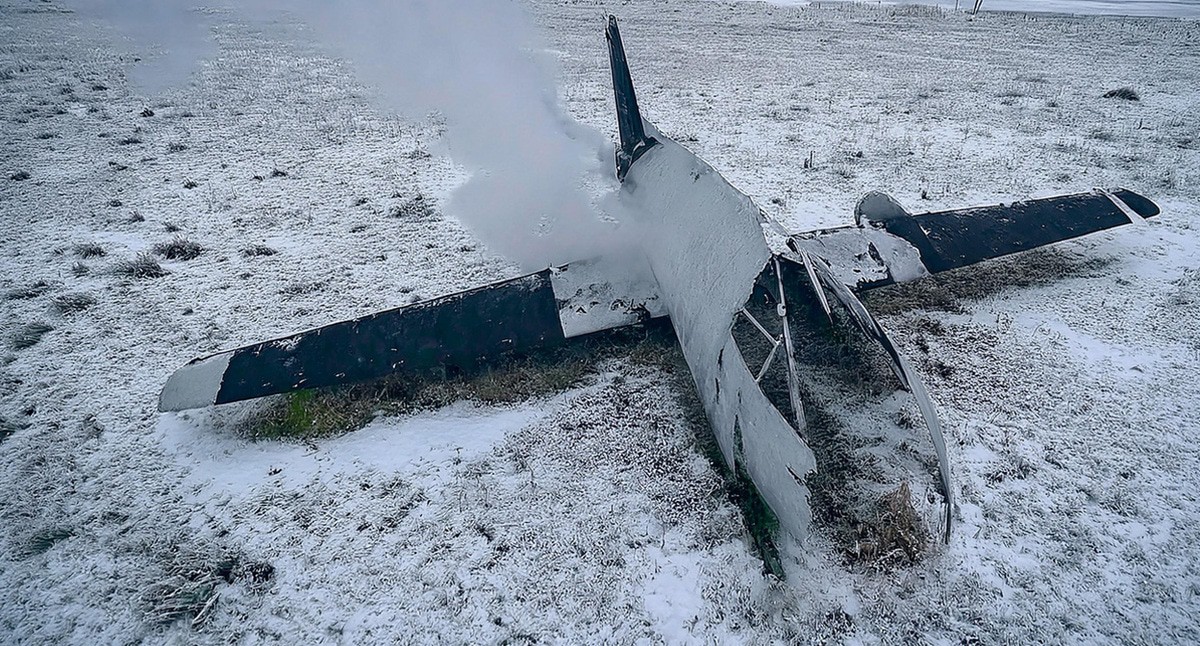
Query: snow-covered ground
{"points": [[1161, 8], [1065, 379]]}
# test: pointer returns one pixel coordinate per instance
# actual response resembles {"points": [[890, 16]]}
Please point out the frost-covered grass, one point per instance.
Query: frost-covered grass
{"points": [[28, 335], [255, 250], [179, 248], [142, 265], [577, 503], [89, 250], [31, 290], [507, 380], [73, 302], [1127, 93]]}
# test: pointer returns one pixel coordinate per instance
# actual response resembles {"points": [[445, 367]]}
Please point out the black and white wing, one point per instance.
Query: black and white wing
{"points": [[460, 330], [889, 245]]}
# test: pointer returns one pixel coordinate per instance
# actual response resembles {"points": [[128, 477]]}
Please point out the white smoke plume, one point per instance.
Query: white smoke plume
{"points": [[536, 174], [170, 36]]}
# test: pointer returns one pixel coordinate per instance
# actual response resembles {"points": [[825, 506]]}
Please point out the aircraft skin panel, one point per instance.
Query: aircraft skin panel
{"points": [[952, 239], [771, 451], [863, 257], [909, 379], [590, 299], [704, 279], [196, 384], [889, 245], [457, 330]]}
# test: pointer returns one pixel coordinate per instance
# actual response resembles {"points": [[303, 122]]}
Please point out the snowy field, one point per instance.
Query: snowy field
{"points": [[1168, 8], [1065, 379]]}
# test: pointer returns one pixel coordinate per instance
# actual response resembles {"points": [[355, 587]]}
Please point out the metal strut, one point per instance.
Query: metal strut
{"points": [[793, 381], [775, 343]]}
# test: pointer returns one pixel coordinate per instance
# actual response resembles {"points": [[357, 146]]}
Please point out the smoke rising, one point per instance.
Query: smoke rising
{"points": [[536, 174], [535, 171], [171, 37]]}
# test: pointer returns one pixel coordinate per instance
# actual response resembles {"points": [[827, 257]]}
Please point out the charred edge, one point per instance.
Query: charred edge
{"points": [[634, 142]]}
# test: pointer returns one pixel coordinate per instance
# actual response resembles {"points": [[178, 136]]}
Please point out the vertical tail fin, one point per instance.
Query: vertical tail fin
{"points": [[634, 141]]}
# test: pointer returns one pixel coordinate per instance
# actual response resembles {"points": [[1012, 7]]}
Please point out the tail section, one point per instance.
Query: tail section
{"points": [[634, 141]]}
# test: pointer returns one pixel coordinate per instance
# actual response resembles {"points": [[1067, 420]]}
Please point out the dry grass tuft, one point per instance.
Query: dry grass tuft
{"points": [[255, 250], [29, 335], [416, 208], [897, 535], [73, 302], [179, 248], [188, 592], [89, 250], [193, 580], [8, 427], [41, 541], [1127, 93], [32, 290], [141, 266], [302, 287]]}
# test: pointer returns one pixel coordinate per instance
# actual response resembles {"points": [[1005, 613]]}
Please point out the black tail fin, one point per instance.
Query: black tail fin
{"points": [[634, 141]]}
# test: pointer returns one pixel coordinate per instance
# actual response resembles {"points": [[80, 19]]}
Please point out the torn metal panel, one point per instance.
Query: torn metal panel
{"points": [[807, 261], [904, 372], [704, 279], [196, 384], [863, 257], [594, 296], [793, 379]]}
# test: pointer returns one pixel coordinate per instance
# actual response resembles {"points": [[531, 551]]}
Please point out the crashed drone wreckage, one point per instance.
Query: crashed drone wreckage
{"points": [[740, 311]]}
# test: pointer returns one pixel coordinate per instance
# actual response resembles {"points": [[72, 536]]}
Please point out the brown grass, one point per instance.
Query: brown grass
{"points": [[895, 535], [333, 411]]}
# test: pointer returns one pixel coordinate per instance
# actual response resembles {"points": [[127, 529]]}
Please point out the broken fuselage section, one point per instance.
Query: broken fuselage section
{"points": [[738, 310], [704, 243]]}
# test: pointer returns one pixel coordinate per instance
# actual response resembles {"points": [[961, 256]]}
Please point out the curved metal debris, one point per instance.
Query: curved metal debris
{"points": [[904, 372]]}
